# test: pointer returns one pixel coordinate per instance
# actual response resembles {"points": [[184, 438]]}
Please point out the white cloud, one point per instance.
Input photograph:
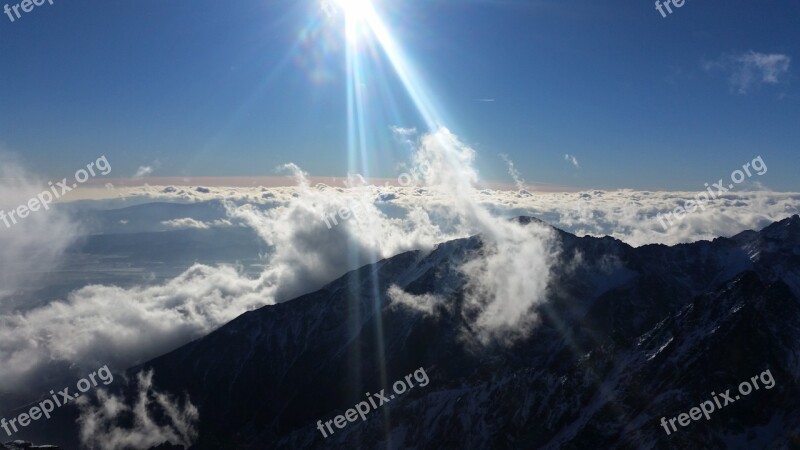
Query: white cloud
{"points": [[188, 222], [113, 425], [406, 132], [425, 303], [35, 244], [631, 215], [750, 69], [407, 136], [510, 276], [124, 326], [99, 325], [144, 171], [572, 160], [515, 175]]}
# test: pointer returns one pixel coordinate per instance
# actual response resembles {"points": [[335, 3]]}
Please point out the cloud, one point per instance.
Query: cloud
{"points": [[98, 325], [518, 180], [407, 136], [36, 243], [308, 253], [125, 326], [485, 100], [188, 223], [510, 276], [572, 160], [751, 69], [404, 132], [154, 419], [144, 171], [426, 303], [631, 216], [506, 281]]}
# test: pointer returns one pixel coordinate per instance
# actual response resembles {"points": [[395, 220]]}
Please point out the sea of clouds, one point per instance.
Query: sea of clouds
{"points": [[101, 324]]}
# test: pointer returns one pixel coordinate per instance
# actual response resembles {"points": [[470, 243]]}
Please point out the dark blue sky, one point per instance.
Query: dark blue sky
{"points": [[210, 88]]}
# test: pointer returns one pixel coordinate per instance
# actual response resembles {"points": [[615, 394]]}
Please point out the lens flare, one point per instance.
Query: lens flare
{"points": [[353, 9]]}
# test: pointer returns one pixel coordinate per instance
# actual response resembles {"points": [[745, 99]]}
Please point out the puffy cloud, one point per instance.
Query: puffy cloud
{"points": [[154, 419], [749, 69], [313, 243], [99, 325]]}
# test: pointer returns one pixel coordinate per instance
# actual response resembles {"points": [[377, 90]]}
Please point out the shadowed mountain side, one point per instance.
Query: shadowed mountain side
{"points": [[628, 335]]}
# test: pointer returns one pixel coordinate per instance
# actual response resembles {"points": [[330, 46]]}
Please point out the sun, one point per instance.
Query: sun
{"points": [[354, 9]]}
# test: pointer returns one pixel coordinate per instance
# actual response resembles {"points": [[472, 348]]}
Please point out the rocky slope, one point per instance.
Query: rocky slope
{"points": [[629, 335]]}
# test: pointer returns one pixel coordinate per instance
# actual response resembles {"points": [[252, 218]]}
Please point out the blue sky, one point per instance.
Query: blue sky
{"points": [[233, 89]]}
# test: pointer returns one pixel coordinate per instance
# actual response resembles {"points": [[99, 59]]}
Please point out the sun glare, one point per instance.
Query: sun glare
{"points": [[354, 9]]}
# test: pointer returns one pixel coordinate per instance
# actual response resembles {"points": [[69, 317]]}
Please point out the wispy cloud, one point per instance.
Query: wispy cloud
{"points": [[485, 100], [500, 302], [144, 171], [154, 419], [188, 222], [407, 136], [512, 170], [572, 160], [751, 69], [403, 132], [426, 303]]}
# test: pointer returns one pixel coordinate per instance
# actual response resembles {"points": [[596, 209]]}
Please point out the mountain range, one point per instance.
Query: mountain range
{"points": [[627, 336]]}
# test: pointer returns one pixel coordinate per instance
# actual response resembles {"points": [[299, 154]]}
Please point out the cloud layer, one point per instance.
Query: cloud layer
{"points": [[99, 325]]}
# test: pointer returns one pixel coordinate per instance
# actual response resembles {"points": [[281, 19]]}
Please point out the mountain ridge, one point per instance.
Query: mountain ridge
{"points": [[284, 366]]}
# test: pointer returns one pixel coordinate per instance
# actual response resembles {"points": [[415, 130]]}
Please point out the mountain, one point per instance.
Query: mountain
{"points": [[627, 336], [23, 445]]}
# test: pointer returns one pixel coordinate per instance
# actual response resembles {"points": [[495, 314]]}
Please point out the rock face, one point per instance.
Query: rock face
{"points": [[628, 336], [23, 445]]}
